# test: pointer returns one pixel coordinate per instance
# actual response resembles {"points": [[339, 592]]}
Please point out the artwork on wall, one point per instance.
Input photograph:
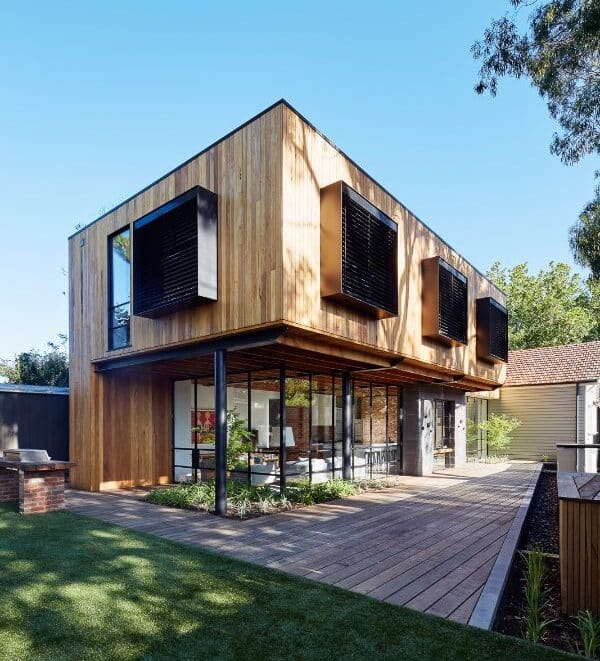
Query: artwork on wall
{"points": [[203, 426]]}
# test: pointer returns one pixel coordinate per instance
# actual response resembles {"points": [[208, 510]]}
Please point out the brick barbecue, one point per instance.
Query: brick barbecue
{"points": [[32, 478]]}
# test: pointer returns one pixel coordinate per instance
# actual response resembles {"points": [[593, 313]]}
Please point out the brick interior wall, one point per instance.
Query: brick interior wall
{"points": [[41, 491], [9, 485]]}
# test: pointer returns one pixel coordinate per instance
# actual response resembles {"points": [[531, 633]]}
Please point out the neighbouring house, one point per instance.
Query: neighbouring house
{"points": [[35, 417], [555, 393], [271, 276]]}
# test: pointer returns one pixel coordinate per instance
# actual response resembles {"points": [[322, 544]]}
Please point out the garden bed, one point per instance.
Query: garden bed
{"points": [[245, 501], [540, 532]]}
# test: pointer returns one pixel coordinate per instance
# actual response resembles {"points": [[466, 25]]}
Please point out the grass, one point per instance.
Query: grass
{"points": [[75, 588], [244, 499]]}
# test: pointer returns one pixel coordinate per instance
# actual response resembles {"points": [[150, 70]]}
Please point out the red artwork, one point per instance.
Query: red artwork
{"points": [[205, 424]]}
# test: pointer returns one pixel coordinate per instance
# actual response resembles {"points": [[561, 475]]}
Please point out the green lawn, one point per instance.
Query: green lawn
{"points": [[75, 588]]}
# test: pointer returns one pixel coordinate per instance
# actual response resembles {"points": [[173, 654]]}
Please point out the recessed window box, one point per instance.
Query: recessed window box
{"points": [[359, 253], [445, 302], [175, 255], [492, 330]]}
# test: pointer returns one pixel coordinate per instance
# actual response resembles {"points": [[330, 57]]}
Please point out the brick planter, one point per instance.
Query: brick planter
{"points": [[39, 488]]}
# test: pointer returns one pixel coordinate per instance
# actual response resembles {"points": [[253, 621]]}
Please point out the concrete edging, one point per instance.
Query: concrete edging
{"points": [[486, 607]]}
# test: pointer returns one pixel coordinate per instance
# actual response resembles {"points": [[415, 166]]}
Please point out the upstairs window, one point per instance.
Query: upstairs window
{"points": [[492, 330], [119, 294], [359, 248], [445, 302]]}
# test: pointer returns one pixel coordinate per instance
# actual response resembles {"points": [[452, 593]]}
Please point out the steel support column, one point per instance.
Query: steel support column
{"points": [[282, 424], [220, 369], [346, 426]]}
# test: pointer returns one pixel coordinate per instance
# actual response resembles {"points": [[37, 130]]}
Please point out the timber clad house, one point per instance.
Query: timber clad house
{"points": [[271, 277]]}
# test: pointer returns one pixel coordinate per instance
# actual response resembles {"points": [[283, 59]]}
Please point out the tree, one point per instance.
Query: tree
{"points": [[50, 368], [559, 53], [498, 430], [553, 307]]}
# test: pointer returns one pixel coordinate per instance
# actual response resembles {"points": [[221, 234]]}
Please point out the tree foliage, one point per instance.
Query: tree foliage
{"points": [[549, 308], [50, 368], [584, 237], [559, 52]]}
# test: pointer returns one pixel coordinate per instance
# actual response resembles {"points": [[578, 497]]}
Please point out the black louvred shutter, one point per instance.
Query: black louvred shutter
{"points": [[167, 271], [498, 331], [453, 303], [369, 263], [166, 253]]}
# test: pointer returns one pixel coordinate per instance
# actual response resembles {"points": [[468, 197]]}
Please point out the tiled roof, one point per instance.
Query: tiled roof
{"points": [[569, 363]]}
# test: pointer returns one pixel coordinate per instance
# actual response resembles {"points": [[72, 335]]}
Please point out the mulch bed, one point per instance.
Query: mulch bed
{"points": [[540, 531]]}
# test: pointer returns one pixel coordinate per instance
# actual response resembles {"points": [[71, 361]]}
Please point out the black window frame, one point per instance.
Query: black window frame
{"points": [[111, 307], [448, 424]]}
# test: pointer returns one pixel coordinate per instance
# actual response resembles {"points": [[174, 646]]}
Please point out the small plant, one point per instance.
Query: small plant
{"points": [[499, 429], [534, 623], [589, 632]]}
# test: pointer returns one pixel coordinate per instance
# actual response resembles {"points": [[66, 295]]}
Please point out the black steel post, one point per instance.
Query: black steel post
{"points": [[346, 427], [282, 424], [220, 369]]}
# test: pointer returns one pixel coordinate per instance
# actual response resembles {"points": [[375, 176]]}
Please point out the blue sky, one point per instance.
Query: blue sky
{"points": [[98, 100]]}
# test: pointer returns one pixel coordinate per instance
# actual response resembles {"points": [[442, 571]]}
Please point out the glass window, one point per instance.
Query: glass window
{"points": [[119, 295], [444, 424]]}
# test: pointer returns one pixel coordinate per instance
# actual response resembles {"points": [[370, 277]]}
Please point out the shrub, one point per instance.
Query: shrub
{"points": [[499, 429], [244, 498]]}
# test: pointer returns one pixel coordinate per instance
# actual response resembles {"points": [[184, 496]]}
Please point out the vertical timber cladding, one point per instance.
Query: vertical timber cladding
{"points": [[244, 171], [311, 164]]}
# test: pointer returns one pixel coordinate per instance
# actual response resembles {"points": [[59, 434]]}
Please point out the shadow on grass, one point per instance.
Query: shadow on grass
{"points": [[75, 588]]}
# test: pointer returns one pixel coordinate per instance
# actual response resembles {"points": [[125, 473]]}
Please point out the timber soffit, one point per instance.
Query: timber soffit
{"points": [[287, 105]]}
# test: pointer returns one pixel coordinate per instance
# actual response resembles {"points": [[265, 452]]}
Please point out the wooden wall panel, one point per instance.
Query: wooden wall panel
{"points": [[244, 170], [137, 448], [311, 163], [579, 523]]}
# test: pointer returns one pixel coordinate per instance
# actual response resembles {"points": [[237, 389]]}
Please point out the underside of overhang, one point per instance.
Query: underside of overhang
{"points": [[301, 352]]}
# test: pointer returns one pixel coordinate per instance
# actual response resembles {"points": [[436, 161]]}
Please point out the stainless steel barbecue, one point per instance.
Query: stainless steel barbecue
{"points": [[27, 456]]}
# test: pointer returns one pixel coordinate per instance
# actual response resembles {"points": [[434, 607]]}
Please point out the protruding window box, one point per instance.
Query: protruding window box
{"points": [[445, 302], [175, 255], [359, 253], [492, 331]]}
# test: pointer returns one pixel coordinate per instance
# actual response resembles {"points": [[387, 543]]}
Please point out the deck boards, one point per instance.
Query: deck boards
{"points": [[428, 544]]}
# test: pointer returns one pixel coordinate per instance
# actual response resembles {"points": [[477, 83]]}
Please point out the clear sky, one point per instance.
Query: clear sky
{"points": [[99, 99]]}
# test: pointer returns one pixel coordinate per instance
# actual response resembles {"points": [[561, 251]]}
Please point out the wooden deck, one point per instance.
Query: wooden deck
{"points": [[428, 544]]}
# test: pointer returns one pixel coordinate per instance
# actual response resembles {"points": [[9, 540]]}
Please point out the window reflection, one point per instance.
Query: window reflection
{"points": [[120, 290]]}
